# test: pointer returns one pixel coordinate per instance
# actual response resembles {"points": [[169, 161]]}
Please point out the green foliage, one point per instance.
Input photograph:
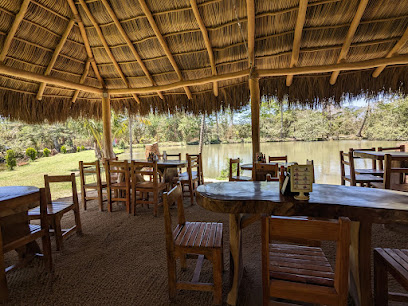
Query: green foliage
{"points": [[31, 153], [10, 159], [82, 148], [122, 144], [224, 175], [46, 152], [78, 149], [63, 149]]}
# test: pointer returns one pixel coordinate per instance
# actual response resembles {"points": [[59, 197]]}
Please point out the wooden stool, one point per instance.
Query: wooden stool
{"points": [[395, 262]]}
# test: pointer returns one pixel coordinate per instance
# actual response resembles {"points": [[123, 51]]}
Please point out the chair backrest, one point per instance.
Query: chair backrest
{"points": [[311, 162], [346, 159], [174, 196], [200, 166], [278, 158], [86, 168], [109, 159], [261, 170], [374, 164], [178, 156], [400, 148], [281, 228], [232, 162], [389, 169], [193, 162], [140, 169], [117, 170], [51, 179]]}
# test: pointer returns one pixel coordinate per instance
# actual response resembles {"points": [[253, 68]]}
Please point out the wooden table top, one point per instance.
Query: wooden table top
{"points": [[250, 166], [166, 163], [11, 192], [379, 155], [327, 201]]}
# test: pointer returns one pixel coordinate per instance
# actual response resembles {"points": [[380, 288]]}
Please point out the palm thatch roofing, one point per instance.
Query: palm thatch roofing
{"points": [[58, 56]]}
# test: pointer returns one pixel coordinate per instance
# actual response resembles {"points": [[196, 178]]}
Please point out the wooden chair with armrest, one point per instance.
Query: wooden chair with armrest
{"points": [[14, 215], [393, 175], [400, 148], [373, 170], [302, 273], [118, 183], [235, 163], [155, 186], [263, 171], [91, 168], [277, 158], [347, 159], [201, 240], [56, 209]]}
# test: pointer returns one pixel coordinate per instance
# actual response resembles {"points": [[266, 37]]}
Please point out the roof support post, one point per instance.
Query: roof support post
{"points": [[107, 130], [255, 112]]}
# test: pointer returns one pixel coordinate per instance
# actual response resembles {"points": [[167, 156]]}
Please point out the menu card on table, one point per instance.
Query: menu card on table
{"points": [[301, 180]]}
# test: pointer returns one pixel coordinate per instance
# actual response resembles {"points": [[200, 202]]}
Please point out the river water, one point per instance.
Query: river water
{"points": [[325, 155]]}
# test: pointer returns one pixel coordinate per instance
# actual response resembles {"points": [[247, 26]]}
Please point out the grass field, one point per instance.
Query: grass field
{"points": [[33, 173]]}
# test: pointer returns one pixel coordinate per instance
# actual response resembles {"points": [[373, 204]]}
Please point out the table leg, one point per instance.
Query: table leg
{"points": [[360, 263], [236, 270]]}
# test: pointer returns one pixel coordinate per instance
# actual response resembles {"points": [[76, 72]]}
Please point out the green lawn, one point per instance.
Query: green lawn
{"points": [[33, 173]]}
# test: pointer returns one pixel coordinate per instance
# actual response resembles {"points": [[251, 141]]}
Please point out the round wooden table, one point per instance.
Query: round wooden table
{"points": [[364, 206], [168, 167]]}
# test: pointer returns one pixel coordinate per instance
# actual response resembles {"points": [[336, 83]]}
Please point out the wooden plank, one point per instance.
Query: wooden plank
{"points": [[197, 270], [82, 80]]}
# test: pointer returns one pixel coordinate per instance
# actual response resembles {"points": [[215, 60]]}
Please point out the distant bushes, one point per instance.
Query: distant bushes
{"points": [[11, 159], [31, 153], [63, 149], [46, 152]]}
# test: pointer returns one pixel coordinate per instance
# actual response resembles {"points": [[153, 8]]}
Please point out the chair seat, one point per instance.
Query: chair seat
{"points": [[185, 177], [150, 185], [364, 178], [397, 187], [54, 208], [376, 172], [194, 173], [301, 264], [198, 235], [240, 178]]}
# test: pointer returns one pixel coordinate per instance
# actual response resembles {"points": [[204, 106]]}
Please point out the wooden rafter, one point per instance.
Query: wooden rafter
{"points": [[82, 80], [207, 42], [86, 41], [251, 32], [349, 37], [54, 57], [106, 46], [17, 20], [300, 22], [130, 44], [393, 51], [163, 43]]}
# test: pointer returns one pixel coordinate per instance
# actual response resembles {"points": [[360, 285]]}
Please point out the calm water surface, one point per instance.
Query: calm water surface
{"points": [[325, 155]]}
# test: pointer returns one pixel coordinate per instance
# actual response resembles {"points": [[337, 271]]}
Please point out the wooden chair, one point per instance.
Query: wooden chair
{"points": [[190, 179], [400, 148], [91, 168], [14, 212], [199, 172], [262, 172], [302, 273], [144, 188], [353, 178], [395, 262], [237, 177], [202, 240], [373, 170], [118, 183], [390, 182], [311, 162], [278, 158], [57, 209]]}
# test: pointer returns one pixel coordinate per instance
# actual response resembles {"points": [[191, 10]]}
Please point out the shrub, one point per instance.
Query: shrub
{"points": [[82, 148], [10, 159], [63, 149], [122, 144], [78, 149], [31, 153], [46, 152]]}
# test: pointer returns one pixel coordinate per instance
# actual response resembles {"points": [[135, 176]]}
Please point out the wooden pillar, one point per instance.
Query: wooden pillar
{"points": [[255, 103], [107, 131]]}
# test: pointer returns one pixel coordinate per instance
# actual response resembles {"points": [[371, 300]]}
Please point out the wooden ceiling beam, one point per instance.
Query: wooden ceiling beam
{"points": [[163, 43], [251, 32], [207, 42], [106, 46], [132, 48], [82, 80], [401, 42], [363, 65], [300, 22], [54, 57], [86, 41], [349, 37], [17, 20]]}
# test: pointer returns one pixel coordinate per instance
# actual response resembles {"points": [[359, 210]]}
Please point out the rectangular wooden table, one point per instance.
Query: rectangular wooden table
{"points": [[364, 206], [379, 155]]}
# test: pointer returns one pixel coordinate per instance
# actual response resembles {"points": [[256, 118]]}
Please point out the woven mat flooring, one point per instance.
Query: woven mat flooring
{"points": [[121, 260]]}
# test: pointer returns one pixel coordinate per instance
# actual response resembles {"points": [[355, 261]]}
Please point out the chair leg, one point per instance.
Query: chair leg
{"points": [[191, 190], [380, 282], [100, 198], [156, 202], [3, 280], [77, 217], [58, 232], [109, 200], [128, 201], [217, 276], [46, 245], [172, 274], [83, 196]]}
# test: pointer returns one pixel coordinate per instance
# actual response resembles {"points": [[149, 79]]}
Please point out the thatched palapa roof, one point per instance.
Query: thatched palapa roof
{"points": [[195, 55]]}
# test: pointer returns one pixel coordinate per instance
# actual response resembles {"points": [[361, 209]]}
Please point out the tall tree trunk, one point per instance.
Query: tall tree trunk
{"points": [[364, 120], [200, 148], [130, 137], [281, 113], [217, 125]]}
